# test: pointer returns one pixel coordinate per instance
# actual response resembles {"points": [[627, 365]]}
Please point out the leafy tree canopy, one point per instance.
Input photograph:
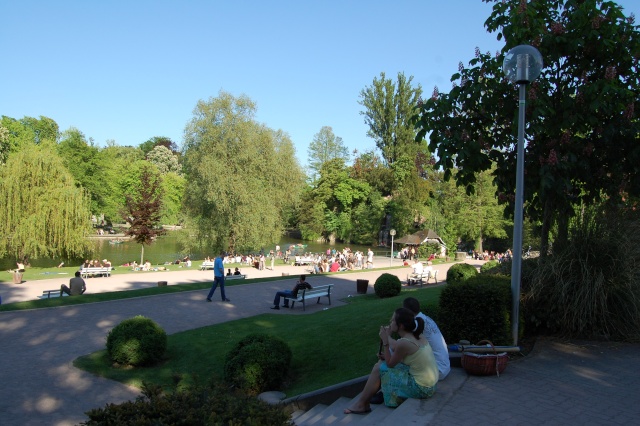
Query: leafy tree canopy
{"points": [[42, 211], [582, 129], [242, 175], [324, 147], [389, 107]]}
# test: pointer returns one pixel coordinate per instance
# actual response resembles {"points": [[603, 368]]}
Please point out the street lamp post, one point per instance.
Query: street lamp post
{"points": [[521, 65], [392, 233]]}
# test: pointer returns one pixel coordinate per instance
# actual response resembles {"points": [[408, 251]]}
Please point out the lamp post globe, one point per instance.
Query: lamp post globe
{"points": [[522, 65]]}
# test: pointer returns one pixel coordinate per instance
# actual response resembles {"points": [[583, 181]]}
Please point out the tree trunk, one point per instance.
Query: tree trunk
{"points": [[142, 255]]}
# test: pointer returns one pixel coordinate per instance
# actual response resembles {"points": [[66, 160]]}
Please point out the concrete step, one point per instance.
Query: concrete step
{"points": [[410, 412], [310, 415]]}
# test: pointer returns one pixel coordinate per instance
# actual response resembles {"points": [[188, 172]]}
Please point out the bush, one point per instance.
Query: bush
{"points": [[136, 341], [591, 288], [477, 309], [201, 405], [258, 363], [460, 272], [387, 285], [487, 267]]}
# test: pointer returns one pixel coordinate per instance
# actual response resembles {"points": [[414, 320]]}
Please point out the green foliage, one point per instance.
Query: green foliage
{"points": [[387, 285], [325, 146], [173, 187], [42, 212], [580, 111], [426, 250], [240, 174], [258, 363], [165, 160], [460, 272], [477, 309], [591, 287], [211, 405], [489, 267], [389, 108], [136, 341]]}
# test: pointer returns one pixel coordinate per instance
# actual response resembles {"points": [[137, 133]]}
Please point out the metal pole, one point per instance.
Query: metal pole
{"points": [[391, 260], [516, 266]]}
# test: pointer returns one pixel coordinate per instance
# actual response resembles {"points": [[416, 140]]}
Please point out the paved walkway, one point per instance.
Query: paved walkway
{"points": [[40, 385]]}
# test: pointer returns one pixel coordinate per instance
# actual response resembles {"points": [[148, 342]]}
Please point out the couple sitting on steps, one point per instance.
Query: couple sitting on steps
{"points": [[408, 367]]}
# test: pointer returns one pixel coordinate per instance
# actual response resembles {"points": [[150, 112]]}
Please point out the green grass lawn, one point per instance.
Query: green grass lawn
{"points": [[329, 347]]}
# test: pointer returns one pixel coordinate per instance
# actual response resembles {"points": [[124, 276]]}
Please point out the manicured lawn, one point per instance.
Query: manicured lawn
{"points": [[328, 347]]}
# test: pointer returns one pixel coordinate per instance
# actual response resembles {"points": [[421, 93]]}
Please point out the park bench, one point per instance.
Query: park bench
{"points": [[48, 294], [102, 271], [423, 278], [301, 261], [235, 277], [310, 293], [206, 265]]}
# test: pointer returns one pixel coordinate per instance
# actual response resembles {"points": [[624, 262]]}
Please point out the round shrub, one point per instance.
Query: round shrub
{"points": [[257, 363], [136, 341], [460, 272], [387, 285]]}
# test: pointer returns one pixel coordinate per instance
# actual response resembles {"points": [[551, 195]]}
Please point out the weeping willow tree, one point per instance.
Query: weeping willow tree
{"points": [[243, 177], [42, 212]]}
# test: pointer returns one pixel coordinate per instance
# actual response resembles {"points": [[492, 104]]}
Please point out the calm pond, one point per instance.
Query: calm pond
{"points": [[167, 249]]}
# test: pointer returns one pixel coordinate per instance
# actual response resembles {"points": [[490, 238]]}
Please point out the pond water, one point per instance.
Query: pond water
{"points": [[167, 249]]}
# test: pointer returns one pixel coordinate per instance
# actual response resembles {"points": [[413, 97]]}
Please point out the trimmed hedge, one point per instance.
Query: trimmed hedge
{"points": [[202, 405], [488, 266], [258, 363], [477, 309], [136, 341], [460, 272], [387, 285]]}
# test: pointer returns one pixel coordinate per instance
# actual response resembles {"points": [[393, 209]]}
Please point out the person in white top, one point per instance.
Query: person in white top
{"points": [[418, 267], [369, 259], [434, 337]]}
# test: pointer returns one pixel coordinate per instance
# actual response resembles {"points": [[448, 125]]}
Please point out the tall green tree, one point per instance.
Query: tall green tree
{"points": [[42, 212], [388, 111], [324, 147], [241, 175], [81, 158], [165, 160], [477, 215], [582, 128], [143, 208]]}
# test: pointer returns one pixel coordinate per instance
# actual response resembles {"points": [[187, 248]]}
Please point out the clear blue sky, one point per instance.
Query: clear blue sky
{"points": [[131, 70]]}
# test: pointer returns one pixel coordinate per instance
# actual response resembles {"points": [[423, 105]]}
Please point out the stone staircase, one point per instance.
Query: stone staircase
{"points": [[410, 412]]}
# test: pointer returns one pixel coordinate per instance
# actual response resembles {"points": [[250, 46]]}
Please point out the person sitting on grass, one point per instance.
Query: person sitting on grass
{"points": [[301, 284], [76, 287]]}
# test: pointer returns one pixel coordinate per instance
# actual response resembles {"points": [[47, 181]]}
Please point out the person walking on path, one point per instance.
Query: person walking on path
{"points": [[218, 278]]}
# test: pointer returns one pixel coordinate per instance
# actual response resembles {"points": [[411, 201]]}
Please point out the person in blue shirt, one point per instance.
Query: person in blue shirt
{"points": [[218, 278]]}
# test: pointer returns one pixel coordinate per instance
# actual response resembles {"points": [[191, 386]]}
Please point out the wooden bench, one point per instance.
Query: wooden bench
{"points": [[310, 293], [48, 294], [206, 265], [103, 271], [235, 277]]}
